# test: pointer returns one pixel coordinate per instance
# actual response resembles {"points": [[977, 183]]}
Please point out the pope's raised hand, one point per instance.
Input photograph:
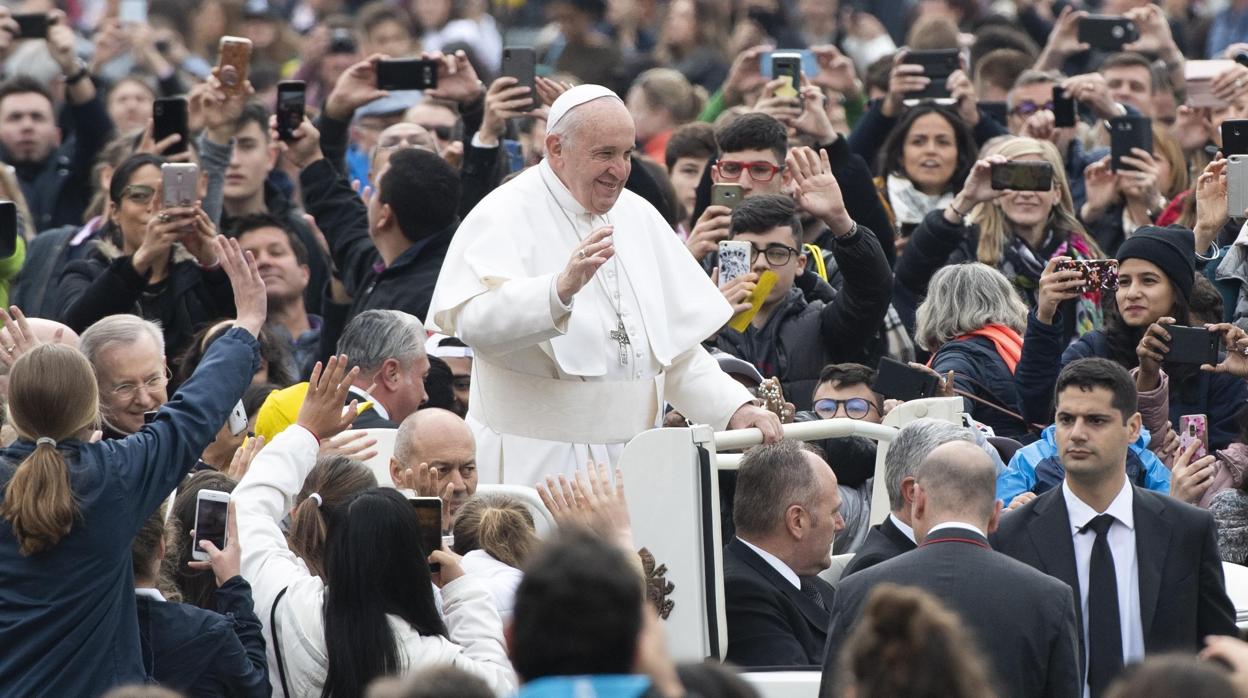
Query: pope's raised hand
{"points": [[587, 258]]}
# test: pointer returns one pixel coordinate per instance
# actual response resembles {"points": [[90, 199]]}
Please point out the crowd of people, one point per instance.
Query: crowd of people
{"points": [[739, 213]]}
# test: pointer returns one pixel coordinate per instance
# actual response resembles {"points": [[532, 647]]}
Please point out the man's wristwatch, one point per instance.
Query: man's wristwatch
{"points": [[78, 75]]}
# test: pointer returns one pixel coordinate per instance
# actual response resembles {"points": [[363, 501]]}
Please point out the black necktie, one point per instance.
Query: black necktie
{"points": [[812, 592], [1104, 628]]}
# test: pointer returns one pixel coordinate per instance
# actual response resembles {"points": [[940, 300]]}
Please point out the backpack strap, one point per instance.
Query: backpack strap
{"points": [[277, 645]]}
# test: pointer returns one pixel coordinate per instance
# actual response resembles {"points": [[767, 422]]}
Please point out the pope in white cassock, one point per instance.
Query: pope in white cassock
{"points": [[584, 311]]}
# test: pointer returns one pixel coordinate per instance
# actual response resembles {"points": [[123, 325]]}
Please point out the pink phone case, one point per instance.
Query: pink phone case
{"points": [[1194, 427]]}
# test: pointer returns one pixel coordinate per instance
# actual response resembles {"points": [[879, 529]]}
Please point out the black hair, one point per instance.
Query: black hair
{"points": [[753, 131], [996, 37], [760, 214], [254, 112], [1122, 340], [272, 349], [198, 587], [1087, 374], [892, 152], [438, 386], [21, 85], [422, 190], [255, 395], [847, 375], [578, 609], [118, 183], [377, 567], [255, 221], [695, 140]]}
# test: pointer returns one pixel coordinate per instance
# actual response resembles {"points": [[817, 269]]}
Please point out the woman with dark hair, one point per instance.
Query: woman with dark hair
{"points": [[373, 612], [198, 586], [1156, 271], [158, 263], [922, 164], [276, 364]]}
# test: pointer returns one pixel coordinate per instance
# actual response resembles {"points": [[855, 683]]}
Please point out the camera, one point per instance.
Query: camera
{"points": [[341, 41]]}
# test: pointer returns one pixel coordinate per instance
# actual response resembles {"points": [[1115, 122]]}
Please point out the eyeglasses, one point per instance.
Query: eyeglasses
{"points": [[415, 140], [777, 255], [760, 170], [1028, 107], [855, 407], [138, 193], [461, 382], [129, 391]]}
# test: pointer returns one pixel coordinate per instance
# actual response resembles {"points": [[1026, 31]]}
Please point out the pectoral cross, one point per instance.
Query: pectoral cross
{"points": [[620, 335]]}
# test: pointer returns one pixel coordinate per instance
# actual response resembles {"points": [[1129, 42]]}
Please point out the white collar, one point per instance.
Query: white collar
{"points": [[563, 195], [377, 406], [150, 593], [956, 524], [1080, 513], [784, 570], [903, 527]]}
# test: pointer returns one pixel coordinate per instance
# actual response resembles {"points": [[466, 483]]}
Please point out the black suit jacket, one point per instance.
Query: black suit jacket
{"points": [[370, 418], [1023, 621], [771, 623], [884, 542], [1182, 589]]}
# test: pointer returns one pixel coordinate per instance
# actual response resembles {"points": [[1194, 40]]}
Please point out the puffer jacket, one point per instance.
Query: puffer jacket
{"points": [[1037, 468], [980, 371]]}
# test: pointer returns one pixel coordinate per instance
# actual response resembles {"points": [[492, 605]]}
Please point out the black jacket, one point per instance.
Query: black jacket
{"points": [[201, 653], [1182, 589], [1023, 621], [37, 291], [884, 542], [980, 371], [770, 622], [106, 283], [800, 338]]}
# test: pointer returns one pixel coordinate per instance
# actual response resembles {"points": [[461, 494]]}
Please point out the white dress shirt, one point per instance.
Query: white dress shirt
{"points": [[361, 393], [903, 527], [1126, 566], [784, 570], [955, 524]]}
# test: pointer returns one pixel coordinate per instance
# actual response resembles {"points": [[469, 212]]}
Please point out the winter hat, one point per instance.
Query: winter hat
{"points": [[1172, 248]]}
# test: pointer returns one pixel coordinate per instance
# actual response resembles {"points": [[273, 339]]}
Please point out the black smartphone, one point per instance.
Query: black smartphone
{"points": [[938, 65], [429, 514], [997, 111], [1107, 32], [169, 116], [407, 74], [1235, 137], [1192, 345], [899, 381], [8, 229], [291, 95], [788, 65], [32, 26], [1125, 133], [150, 416], [1022, 175], [1063, 108], [521, 64]]}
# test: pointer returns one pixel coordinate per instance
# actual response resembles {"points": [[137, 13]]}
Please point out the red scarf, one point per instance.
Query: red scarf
{"points": [[1007, 342]]}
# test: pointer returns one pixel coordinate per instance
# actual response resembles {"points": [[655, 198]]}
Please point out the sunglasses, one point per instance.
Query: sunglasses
{"points": [[855, 407]]}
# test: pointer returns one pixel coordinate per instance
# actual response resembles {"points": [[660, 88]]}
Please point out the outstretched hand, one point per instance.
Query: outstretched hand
{"points": [[592, 501], [816, 189], [225, 563], [249, 297], [322, 411], [587, 258], [17, 337]]}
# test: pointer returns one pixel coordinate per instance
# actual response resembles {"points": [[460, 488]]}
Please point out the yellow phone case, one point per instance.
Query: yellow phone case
{"points": [[766, 281]]}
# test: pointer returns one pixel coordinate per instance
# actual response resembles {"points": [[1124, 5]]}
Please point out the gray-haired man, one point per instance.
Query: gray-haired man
{"points": [[389, 348]]}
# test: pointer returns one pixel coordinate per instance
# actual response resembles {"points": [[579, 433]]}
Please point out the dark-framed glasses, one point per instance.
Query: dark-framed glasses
{"points": [[777, 255], [855, 407]]}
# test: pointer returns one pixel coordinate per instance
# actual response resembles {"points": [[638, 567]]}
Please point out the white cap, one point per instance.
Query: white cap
{"points": [[433, 347], [574, 98]]}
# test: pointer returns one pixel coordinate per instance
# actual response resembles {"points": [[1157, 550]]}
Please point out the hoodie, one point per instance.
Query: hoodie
{"points": [[1037, 468]]}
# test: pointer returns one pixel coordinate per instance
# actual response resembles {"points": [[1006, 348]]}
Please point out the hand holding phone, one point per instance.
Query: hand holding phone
{"points": [[899, 381], [32, 26], [1063, 108], [234, 64], [407, 74], [727, 194], [787, 66], [1194, 429], [1107, 32], [179, 184], [1191, 345], [521, 63], [429, 516], [291, 96], [1022, 175], [211, 512], [938, 65], [1125, 133], [170, 117], [734, 260]]}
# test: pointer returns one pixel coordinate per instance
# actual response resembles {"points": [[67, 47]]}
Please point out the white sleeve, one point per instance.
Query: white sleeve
{"points": [[475, 626], [697, 387], [517, 314]]}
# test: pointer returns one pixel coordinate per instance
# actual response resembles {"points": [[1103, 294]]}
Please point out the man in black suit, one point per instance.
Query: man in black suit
{"points": [[1145, 566], [786, 513], [895, 534], [389, 348], [1023, 621]]}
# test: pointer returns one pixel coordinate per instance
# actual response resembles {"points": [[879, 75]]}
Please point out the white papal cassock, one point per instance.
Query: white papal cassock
{"points": [[550, 387]]}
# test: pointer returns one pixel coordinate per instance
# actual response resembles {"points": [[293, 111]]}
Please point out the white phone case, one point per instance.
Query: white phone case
{"points": [[1236, 185], [219, 503], [179, 183], [734, 261]]}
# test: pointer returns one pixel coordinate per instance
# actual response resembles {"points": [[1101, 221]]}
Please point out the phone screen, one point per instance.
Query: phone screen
{"points": [[8, 229], [429, 515], [1063, 108], [407, 74], [32, 26], [290, 101], [169, 116], [210, 522]]}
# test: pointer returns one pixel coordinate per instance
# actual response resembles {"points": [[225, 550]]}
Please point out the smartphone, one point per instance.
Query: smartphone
{"points": [[8, 229], [1022, 175], [169, 116], [1236, 186], [1125, 133], [211, 509], [237, 421], [788, 66], [1198, 78], [179, 184], [726, 194], [1192, 345], [1107, 32], [32, 26], [149, 417], [1098, 274], [938, 65], [1194, 428], [133, 12], [734, 260], [407, 74], [429, 515], [521, 63], [234, 63], [997, 111], [291, 96], [1063, 108], [1235, 137], [810, 64], [900, 381]]}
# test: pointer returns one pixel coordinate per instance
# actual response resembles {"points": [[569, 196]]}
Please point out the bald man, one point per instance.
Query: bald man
{"points": [[1023, 621], [435, 455]]}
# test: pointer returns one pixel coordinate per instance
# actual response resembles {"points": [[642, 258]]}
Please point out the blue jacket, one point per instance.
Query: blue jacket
{"points": [[201, 653], [1220, 396], [1036, 468], [68, 619], [595, 686], [980, 371]]}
